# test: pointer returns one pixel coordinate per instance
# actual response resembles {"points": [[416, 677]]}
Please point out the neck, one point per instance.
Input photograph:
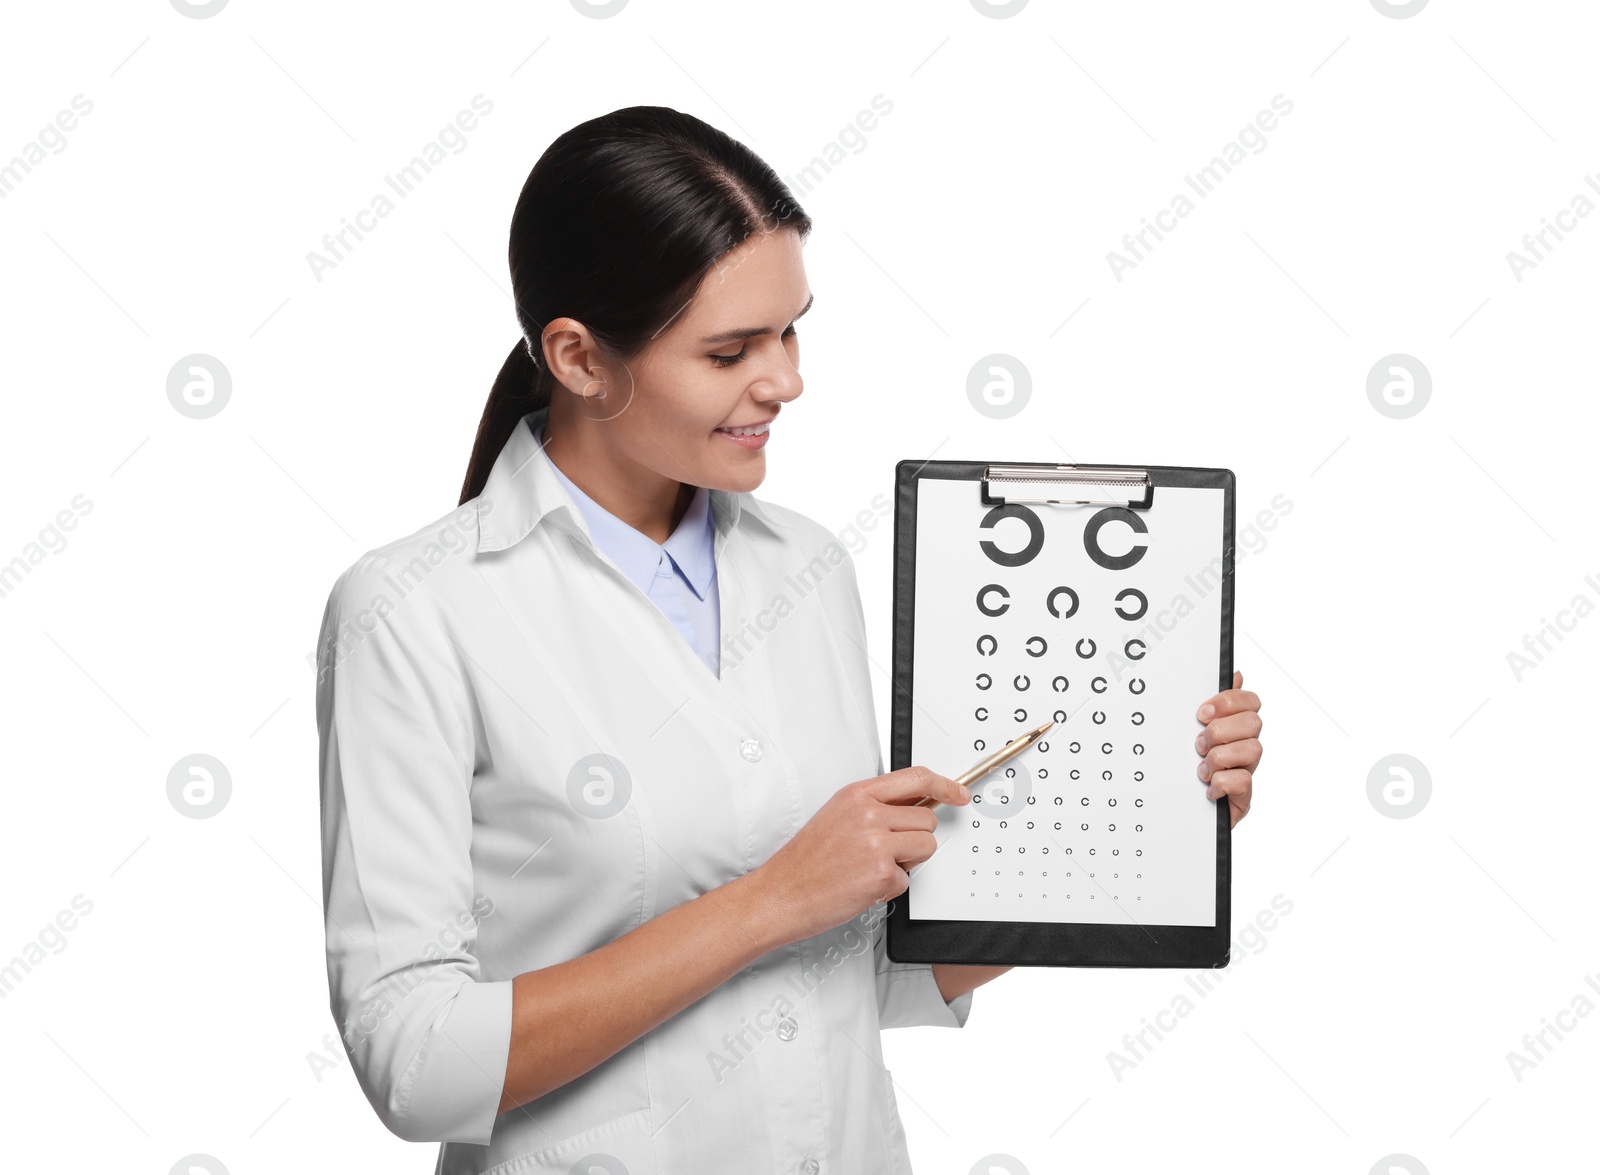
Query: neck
{"points": [[586, 452]]}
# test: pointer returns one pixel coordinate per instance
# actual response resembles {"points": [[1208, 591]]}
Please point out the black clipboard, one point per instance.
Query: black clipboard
{"points": [[1051, 944]]}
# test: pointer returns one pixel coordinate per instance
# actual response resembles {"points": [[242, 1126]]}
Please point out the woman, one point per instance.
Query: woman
{"points": [[605, 864]]}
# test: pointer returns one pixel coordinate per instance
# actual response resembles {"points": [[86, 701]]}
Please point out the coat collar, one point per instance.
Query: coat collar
{"points": [[521, 491]]}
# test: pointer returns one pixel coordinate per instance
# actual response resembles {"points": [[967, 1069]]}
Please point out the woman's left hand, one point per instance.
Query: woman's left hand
{"points": [[1230, 746]]}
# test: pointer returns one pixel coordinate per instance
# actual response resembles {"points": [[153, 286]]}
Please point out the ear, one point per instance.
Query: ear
{"points": [[575, 359]]}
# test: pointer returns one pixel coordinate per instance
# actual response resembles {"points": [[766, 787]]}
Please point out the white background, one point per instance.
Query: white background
{"points": [[1373, 1019]]}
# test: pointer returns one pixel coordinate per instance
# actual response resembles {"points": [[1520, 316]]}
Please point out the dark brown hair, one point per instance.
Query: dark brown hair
{"points": [[618, 222]]}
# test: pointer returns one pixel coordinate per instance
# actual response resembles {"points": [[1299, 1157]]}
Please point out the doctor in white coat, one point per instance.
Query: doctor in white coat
{"points": [[607, 842]]}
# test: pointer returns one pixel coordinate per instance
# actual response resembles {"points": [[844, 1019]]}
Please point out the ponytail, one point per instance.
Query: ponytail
{"points": [[520, 388]]}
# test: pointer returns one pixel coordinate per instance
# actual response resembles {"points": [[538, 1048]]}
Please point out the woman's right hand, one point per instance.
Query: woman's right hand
{"points": [[856, 849]]}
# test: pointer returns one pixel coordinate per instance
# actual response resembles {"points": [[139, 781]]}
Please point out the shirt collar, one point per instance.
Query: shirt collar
{"points": [[692, 544], [524, 487]]}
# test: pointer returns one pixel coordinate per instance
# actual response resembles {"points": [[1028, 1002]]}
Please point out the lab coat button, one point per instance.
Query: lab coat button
{"points": [[787, 1028], [809, 1167], [750, 749]]}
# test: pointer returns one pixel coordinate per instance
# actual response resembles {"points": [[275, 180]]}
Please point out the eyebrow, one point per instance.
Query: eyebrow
{"points": [[729, 336]]}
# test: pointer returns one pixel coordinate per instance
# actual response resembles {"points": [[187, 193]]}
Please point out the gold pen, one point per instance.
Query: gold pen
{"points": [[976, 772]]}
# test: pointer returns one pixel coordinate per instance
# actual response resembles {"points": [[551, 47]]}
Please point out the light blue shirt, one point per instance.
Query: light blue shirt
{"points": [[679, 576]]}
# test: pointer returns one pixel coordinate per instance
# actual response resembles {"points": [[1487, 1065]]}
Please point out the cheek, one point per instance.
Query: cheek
{"points": [[674, 400], [692, 415], [685, 398]]}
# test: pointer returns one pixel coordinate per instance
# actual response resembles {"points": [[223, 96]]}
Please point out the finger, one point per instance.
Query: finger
{"points": [[912, 848], [1227, 730], [1245, 753], [902, 881], [910, 784], [907, 818], [1236, 783], [1238, 679], [1233, 701]]}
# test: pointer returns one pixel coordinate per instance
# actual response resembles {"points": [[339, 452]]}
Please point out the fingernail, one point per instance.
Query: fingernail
{"points": [[966, 792], [1206, 712]]}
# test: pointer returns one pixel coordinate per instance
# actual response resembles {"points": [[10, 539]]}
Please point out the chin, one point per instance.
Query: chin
{"points": [[744, 482]]}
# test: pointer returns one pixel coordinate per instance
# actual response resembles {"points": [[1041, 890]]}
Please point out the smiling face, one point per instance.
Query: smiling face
{"points": [[727, 363]]}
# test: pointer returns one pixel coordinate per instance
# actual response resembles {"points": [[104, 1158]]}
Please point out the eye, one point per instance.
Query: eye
{"points": [[738, 356]]}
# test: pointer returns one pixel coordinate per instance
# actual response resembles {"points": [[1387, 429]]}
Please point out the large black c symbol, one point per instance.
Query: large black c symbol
{"points": [[993, 610], [1035, 535], [1050, 602], [1091, 538]]}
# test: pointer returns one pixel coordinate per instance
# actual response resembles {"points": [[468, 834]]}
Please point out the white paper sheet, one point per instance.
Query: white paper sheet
{"points": [[1019, 852]]}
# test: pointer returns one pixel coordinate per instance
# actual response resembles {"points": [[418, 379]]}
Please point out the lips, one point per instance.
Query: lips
{"points": [[752, 438], [747, 430]]}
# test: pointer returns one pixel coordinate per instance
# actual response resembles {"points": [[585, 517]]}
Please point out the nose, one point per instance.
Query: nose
{"points": [[780, 382]]}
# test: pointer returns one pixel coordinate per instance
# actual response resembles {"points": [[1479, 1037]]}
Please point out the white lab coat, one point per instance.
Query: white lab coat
{"points": [[522, 760]]}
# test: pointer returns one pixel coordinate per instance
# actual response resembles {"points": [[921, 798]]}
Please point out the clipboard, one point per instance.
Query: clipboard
{"points": [[1029, 590]]}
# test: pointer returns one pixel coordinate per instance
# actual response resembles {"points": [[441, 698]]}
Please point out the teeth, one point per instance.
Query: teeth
{"points": [[753, 430]]}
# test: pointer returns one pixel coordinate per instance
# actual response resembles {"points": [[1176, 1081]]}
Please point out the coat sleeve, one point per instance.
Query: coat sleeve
{"points": [[427, 1037], [908, 996]]}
